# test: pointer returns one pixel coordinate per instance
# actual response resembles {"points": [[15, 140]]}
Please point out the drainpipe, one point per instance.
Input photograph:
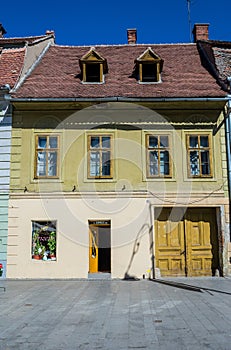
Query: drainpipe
{"points": [[228, 148]]}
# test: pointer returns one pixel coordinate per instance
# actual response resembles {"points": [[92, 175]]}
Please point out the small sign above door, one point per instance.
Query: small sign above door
{"points": [[100, 222]]}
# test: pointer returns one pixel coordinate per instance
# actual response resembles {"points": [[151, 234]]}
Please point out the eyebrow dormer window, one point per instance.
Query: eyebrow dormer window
{"points": [[149, 66], [93, 67]]}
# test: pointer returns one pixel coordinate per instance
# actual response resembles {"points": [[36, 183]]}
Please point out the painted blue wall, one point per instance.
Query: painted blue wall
{"points": [[5, 146]]}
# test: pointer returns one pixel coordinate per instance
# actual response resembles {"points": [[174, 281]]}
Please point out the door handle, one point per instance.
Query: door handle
{"points": [[182, 252]]}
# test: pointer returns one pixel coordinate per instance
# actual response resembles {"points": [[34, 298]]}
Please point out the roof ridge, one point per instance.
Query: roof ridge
{"points": [[23, 37], [125, 45]]}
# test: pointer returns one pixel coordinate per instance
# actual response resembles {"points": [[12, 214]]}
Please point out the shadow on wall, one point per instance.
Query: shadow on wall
{"points": [[135, 250]]}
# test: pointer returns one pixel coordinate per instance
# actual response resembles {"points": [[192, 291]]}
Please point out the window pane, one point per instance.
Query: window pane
{"points": [[106, 163], [94, 142], [153, 142], [94, 164], [53, 142], [205, 169], [193, 141], [204, 156], [205, 162], [204, 141], [153, 163], [163, 141], [194, 163], [41, 164], [52, 163], [106, 141], [42, 142], [164, 163]]}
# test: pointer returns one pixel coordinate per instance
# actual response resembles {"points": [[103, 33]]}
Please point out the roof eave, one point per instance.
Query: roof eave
{"points": [[117, 99]]}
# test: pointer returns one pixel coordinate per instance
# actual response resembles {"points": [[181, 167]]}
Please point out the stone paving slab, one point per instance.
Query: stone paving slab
{"points": [[115, 314]]}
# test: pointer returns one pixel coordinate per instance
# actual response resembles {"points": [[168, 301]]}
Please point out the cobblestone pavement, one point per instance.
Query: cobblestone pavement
{"points": [[115, 314]]}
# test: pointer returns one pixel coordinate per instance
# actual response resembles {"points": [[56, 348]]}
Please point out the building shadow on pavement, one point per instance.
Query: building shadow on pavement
{"points": [[188, 286]]}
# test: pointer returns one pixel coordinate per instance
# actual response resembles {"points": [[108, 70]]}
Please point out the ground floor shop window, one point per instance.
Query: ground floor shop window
{"points": [[44, 240]]}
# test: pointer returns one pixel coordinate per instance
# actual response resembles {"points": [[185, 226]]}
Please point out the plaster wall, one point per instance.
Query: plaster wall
{"points": [[130, 223]]}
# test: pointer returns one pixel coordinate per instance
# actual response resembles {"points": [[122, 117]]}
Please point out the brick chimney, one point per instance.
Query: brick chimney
{"points": [[131, 33], [2, 31], [200, 32]]}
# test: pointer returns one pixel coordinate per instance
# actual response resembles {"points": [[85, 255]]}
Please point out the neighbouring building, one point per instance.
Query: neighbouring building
{"points": [[118, 163], [17, 56]]}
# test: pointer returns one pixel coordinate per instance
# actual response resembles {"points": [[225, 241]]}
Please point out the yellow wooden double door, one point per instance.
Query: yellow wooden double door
{"points": [[186, 241]]}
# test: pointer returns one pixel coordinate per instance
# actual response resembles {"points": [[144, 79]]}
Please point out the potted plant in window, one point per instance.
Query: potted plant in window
{"points": [[38, 248], [52, 245]]}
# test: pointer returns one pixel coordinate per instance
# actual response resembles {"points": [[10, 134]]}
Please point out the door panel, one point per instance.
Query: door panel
{"points": [[186, 242], [170, 242], [93, 249], [199, 247]]}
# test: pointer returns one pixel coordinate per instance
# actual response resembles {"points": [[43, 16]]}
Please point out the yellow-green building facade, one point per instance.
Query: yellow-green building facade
{"points": [[118, 175]]}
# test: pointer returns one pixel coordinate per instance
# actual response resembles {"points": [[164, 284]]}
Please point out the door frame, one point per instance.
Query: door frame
{"points": [[185, 223], [94, 244]]}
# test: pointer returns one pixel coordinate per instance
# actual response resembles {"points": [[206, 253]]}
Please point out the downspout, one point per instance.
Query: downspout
{"points": [[228, 149]]}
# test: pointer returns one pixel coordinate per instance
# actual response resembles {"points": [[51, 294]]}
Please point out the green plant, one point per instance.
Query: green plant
{"points": [[36, 243], [38, 248], [52, 243]]}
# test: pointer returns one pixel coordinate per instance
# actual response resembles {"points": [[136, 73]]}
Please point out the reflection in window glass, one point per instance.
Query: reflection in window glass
{"points": [[94, 142], [163, 141], [194, 163], [95, 164], [153, 142], [193, 141]]}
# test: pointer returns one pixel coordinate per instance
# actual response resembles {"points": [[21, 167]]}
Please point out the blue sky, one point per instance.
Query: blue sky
{"points": [[106, 22]]}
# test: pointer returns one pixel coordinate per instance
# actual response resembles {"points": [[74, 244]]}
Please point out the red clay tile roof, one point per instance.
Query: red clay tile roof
{"points": [[223, 61], [58, 74], [11, 63]]}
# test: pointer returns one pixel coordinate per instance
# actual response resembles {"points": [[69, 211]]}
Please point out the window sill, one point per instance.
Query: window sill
{"points": [[199, 179], [168, 179], [93, 82], [40, 259], [47, 180], [149, 82], [97, 180]]}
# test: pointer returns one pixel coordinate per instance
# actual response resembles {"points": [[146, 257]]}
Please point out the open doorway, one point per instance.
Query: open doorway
{"points": [[99, 246]]}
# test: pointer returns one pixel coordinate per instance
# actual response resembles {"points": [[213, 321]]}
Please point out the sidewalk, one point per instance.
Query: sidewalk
{"points": [[115, 314]]}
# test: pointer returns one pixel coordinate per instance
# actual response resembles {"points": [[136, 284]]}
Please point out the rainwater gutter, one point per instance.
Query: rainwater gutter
{"points": [[117, 99]]}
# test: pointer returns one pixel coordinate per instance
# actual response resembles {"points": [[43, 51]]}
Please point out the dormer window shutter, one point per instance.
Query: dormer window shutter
{"points": [[93, 67]]}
